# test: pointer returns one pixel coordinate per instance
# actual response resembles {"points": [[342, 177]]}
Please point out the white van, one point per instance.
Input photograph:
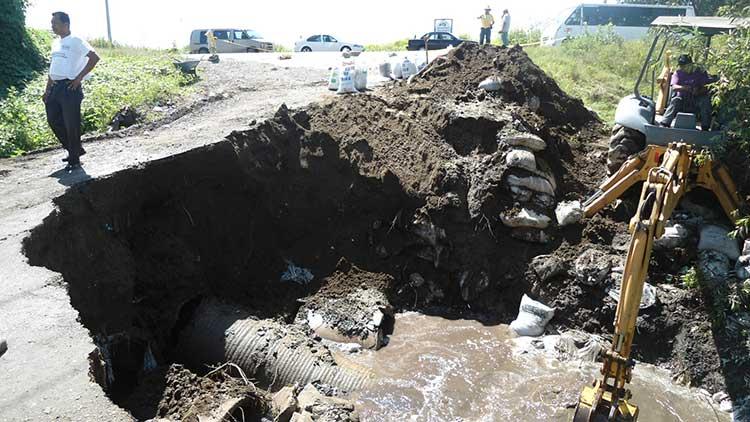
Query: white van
{"points": [[630, 21]]}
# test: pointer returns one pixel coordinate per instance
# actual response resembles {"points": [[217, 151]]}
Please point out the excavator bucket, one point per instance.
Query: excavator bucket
{"points": [[595, 405]]}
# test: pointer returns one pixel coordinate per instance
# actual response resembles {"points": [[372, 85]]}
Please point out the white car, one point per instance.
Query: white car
{"points": [[324, 42]]}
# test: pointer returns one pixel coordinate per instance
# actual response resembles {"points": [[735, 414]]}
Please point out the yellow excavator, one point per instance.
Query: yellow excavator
{"points": [[667, 174], [669, 162]]}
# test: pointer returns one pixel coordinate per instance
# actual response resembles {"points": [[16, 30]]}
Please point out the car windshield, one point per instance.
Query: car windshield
{"points": [[251, 35]]}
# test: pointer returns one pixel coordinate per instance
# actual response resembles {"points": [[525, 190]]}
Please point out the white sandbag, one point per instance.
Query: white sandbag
{"points": [[333, 80], [396, 70], [569, 212], [521, 158], [527, 140], [675, 235], [408, 68], [715, 238], [532, 317], [346, 80], [360, 79], [490, 84], [526, 218], [746, 247], [742, 267], [385, 69], [534, 183]]}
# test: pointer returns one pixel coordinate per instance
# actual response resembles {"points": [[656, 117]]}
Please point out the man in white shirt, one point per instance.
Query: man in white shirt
{"points": [[72, 59], [505, 29]]}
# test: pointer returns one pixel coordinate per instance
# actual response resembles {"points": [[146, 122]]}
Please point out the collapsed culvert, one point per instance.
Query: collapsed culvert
{"points": [[320, 223]]}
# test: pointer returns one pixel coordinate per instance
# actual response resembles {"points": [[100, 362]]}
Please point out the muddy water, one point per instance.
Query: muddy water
{"points": [[435, 369]]}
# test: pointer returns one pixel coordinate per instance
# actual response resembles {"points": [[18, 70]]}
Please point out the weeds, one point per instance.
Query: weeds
{"points": [[692, 279]]}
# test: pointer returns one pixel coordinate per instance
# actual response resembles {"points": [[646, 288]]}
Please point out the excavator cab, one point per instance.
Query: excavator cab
{"points": [[638, 116]]}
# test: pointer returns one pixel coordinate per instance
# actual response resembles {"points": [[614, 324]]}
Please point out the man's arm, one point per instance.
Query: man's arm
{"points": [[47, 89], [93, 60]]}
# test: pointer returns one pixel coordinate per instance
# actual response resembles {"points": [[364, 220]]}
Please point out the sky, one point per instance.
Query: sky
{"points": [[164, 23]]}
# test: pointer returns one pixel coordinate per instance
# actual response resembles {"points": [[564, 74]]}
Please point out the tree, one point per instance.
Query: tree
{"points": [[21, 58], [702, 7]]}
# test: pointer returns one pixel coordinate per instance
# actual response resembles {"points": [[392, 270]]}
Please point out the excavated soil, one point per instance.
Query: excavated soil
{"points": [[398, 190]]}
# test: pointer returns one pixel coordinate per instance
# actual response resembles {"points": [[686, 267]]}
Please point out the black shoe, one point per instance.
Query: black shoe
{"points": [[80, 154], [70, 168]]}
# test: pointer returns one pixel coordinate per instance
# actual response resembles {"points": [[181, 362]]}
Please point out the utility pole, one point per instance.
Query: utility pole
{"points": [[109, 28]]}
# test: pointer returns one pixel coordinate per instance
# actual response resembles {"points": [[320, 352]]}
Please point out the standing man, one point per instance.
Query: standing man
{"points": [[487, 22], [211, 41], [505, 29], [72, 59]]}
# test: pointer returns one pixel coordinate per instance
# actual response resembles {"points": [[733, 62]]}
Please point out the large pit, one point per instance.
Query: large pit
{"points": [[364, 192]]}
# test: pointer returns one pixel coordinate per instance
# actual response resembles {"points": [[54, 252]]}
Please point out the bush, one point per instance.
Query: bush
{"points": [[22, 58], [398, 45]]}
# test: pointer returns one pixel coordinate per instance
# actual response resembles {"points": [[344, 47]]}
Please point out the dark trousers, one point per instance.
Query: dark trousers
{"points": [[484, 36], [63, 108], [698, 103]]}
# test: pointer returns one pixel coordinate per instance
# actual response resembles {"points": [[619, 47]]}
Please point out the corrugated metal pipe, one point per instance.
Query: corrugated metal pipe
{"points": [[274, 354]]}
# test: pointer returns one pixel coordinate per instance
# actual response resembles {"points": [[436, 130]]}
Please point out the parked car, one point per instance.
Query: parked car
{"points": [[323, 42], [436, 41], [630, 21], [229, 41]]}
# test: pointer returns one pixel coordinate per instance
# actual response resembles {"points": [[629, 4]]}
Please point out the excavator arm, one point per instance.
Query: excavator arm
{"points": [[667, 174]]}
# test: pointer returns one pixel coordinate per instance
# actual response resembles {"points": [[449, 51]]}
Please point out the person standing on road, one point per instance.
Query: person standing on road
{"points": [[505, 29], [211, 41], [71, 60], [486, 32]]}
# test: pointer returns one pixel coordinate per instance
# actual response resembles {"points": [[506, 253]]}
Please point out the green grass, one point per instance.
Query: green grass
{"points": [[125, 76], [598, 73], [397, 45]]}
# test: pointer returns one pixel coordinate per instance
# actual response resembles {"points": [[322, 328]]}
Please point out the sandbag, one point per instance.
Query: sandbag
{"points": [[674, 236], [521, 158], [408, 68], [526, 218], [534, 183], [716, 238], [396, 70], [346, 80], [568, 212], [333, 80], [532, 317], [490, 84], [385, 69], [527, 140], [360, 79]]}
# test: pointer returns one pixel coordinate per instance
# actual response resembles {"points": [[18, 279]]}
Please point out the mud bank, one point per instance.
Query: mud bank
{"points": [[413, 197]]}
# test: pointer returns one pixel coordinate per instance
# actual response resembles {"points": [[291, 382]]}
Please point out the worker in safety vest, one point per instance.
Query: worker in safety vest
{"points": [[487, 22]]}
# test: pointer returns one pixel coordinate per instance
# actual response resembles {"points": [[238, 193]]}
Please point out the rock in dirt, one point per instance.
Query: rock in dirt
{"points": [[592, 267], [547, 267], [532, 317], [525, 218], [675, 235], [521, 158], [568, 212], [648, 297], [716, 238], [490, 84], [472, 284], [714, 266], [534, 183], [323, 408], [284, 404]]}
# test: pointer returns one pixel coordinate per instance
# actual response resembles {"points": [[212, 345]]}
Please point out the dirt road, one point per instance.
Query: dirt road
{"points": [[44, 374]]}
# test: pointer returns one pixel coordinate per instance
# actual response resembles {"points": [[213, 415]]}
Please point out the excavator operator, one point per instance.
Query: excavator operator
{"points": [[689, 91]]}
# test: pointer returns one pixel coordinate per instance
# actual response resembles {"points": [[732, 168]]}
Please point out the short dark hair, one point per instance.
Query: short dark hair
{"points": [[64, 18]]}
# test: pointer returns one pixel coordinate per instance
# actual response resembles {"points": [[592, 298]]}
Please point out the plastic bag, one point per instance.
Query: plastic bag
{"points": [[360, 79], [408, 68], [396, 69]]}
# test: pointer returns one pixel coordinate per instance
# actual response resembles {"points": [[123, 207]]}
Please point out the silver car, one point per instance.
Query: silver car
{"points": [[229, 41], [324, 42]]}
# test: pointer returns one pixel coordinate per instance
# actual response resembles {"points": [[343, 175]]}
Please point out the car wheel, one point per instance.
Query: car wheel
{"points": [[306, 49], [623, 143], [203, 50], [345, 49]]}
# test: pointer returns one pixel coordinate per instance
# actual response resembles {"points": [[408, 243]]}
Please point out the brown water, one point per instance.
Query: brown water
{"points": [[434, 369]]}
